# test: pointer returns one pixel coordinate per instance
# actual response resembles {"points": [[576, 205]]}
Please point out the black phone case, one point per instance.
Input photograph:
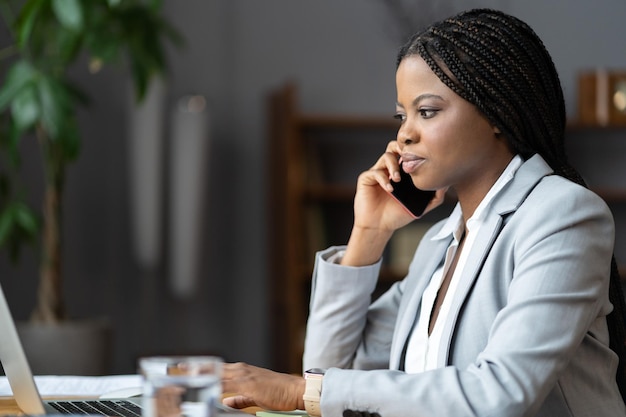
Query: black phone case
{"points": [[411, 197]]}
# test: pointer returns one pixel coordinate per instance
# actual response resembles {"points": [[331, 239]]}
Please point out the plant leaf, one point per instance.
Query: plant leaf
{"points": [[68, 44], [26, 20], [103, 46], [20, 75], [18, 223], [57, 119], [26, 219], [25, 108], [54, 105], [69, 13]]}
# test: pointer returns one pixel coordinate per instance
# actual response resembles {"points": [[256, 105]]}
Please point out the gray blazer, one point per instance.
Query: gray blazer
{"points": [[526, 335]]}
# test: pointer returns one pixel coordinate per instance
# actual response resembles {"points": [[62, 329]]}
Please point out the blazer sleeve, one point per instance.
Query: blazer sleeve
{"points": [[344, 329]]}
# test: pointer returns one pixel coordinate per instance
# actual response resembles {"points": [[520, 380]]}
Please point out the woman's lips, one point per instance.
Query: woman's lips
{"points": [[410, 163]]}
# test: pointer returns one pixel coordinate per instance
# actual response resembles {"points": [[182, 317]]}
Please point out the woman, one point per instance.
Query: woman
{"points": [[505, 310]]}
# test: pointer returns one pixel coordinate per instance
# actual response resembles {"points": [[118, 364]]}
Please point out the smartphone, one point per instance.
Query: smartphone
{"points": [[412, 198]]}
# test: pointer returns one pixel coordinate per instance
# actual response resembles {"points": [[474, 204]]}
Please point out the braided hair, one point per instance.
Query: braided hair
{"points": [[499, 64]]}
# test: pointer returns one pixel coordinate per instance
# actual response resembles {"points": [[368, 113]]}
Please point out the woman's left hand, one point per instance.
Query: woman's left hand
{"points": [[261, 387]]}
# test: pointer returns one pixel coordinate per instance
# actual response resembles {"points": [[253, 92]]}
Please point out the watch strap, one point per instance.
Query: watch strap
{"points": [[313, 393]]}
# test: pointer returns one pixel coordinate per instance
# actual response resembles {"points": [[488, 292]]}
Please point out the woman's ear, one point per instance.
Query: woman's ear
{"points": [[496, 130]]}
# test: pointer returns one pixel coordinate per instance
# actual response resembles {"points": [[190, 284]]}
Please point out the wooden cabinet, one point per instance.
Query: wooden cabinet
{"points": [[313, 163]]}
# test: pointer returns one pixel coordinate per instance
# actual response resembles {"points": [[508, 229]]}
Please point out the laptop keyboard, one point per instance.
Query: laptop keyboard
{"points": [[120, 408]]}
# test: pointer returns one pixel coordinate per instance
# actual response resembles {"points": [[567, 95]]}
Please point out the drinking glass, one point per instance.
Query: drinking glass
{"points": [[176, 386]]}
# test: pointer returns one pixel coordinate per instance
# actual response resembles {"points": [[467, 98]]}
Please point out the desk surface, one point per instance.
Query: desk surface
{"points": [[8, 406]]}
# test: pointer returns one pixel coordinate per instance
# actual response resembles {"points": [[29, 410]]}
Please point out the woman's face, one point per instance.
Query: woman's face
{"points": [[445, 141]]}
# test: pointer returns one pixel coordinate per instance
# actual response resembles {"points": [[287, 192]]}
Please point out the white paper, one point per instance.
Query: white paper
{"points": [[49, 385]]}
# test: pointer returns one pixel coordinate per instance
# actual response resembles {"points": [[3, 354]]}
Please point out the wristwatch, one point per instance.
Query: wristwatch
{"points": [[313, 391]]}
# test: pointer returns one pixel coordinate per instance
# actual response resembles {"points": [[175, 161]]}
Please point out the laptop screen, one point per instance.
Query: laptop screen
{"points": [[15, 364]]}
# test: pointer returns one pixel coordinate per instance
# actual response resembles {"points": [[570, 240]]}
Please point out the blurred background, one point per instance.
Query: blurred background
{"points": [[341, 56]]}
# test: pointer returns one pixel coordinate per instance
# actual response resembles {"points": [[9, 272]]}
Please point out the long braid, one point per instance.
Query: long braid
{"points": [[498, 63]]}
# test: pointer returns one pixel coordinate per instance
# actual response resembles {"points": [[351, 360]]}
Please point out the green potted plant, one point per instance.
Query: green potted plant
{"points": [[39, 101]]}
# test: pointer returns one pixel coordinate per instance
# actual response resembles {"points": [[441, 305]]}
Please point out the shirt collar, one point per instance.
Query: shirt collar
{"points": [[455, 220]]}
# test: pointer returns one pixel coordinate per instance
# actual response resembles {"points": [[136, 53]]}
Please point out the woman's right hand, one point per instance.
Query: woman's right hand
{"points": [[249, 386], [376, 213]]}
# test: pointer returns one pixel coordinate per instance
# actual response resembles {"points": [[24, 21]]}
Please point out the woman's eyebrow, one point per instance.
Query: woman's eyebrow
{"points": [[421, 97]]}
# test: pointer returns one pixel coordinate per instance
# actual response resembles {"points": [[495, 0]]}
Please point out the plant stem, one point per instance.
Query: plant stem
{"points": [[50, 306]]}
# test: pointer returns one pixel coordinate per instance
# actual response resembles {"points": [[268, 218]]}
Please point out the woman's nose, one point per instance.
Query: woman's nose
{"points": [[407, 135]]}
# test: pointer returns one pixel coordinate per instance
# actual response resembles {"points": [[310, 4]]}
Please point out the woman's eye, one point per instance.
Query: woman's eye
{"points": [[427, 113], [400, 117]]}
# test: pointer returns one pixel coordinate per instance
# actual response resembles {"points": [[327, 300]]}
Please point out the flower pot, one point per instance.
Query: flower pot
{"points": [[73, 347]]}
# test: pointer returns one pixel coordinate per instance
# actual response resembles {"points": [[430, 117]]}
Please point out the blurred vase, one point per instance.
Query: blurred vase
{"points": [[189, 152], [72, 347], [145, 130]]}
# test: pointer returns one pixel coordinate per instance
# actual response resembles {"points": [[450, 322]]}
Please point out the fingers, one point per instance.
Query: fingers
{"points": [[390, 160], [376, 177], [238, 402], [385, 169]]}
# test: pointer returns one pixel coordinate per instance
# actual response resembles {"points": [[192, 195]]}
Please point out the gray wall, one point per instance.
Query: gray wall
{"points": [[341, 54]]}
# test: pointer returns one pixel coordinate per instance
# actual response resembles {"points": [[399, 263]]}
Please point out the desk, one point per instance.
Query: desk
{"points": [[8, 406]]}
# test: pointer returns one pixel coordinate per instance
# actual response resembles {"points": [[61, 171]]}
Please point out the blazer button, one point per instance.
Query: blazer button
{"points": [[354, 413]]}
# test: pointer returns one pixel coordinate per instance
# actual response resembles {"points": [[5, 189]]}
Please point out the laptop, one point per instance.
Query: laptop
{"points": [[26, 394]]}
